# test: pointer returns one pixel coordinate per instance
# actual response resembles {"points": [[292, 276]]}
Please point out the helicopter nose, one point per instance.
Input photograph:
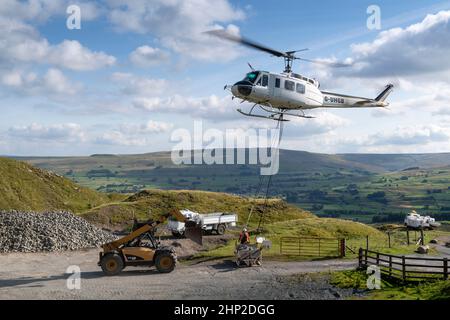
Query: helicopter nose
{"points": [[242, 88]]}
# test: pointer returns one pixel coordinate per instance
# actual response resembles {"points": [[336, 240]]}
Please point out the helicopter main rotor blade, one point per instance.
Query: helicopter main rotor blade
{"points": [[295, 51], [326, 63], [246, 42]]}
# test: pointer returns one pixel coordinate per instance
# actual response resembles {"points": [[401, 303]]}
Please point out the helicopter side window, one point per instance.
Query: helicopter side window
{"points": [[300, 88], [277, 82], [289, 85]]}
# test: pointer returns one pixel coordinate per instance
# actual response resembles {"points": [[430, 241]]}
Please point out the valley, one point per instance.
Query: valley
{"points": [[362, 187]]}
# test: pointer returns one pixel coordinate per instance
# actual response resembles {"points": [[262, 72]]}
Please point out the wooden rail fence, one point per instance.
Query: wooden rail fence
{"points": [[404, 267], [312, 247]]}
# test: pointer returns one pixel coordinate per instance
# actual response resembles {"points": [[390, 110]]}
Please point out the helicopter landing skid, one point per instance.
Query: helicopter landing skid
{"points": [[273, 115]]}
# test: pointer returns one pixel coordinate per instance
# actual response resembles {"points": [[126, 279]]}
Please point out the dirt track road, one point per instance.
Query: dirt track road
{"points": [[43, 276]]}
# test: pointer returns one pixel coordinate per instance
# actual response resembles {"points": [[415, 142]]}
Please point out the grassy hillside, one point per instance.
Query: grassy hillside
{"points": [[24, 187], [398, 162], [324, 228], [150, 203]]}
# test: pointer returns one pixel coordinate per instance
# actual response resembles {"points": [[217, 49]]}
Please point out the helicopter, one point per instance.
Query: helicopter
{"points": [[289, 93]]}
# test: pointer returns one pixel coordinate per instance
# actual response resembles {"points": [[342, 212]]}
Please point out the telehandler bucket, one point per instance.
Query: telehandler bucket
{"points": [[193, 231]]}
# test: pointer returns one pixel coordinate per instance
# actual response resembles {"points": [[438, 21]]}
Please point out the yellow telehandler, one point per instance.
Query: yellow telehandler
{"points": [[141, 247]]}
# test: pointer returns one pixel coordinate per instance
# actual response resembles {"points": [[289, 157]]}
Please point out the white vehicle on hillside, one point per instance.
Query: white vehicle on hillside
{"points": [[218, 222], [416, 221]]}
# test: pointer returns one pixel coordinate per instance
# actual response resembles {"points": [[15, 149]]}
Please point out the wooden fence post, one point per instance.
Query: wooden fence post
{"points": [[404, 268], [390, 265], [389, 239], [445, 268], [343, 247], [407, 236], [378, 258], [360, 257], [367, 242]]}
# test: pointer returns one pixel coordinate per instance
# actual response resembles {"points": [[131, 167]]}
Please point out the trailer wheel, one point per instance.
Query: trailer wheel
{"points": [[112, 264], [177, 234], [221, 229]]}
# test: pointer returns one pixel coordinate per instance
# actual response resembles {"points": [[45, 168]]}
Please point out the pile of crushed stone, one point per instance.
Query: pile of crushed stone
{"points": [[48, 231]]}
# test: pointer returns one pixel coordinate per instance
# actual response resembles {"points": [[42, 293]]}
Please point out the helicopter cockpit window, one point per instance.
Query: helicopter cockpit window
{"points": [[251, 76]]}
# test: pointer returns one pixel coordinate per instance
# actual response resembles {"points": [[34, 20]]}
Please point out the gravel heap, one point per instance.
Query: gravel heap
{"points": [[48, 231]]}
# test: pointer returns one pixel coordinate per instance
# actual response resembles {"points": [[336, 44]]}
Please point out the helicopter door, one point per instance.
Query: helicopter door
{"points": [[264, 85], [275, 86]]}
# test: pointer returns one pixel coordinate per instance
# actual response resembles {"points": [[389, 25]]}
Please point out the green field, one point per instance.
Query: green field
{"points": [[435, 290], [366, 188]]}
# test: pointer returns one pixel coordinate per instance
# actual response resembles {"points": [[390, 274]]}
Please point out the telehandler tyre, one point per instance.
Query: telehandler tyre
{"points": [[112, 264], [165, 262]]}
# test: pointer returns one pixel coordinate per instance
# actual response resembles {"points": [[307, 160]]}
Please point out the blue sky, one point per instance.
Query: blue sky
{"points": [[137, 70]]}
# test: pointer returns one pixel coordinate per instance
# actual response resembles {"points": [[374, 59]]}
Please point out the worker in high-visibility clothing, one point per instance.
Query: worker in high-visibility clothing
{"points": [[244, 237]]}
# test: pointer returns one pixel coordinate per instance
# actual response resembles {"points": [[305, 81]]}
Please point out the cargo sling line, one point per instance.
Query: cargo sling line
{"points": [[275, 143]]}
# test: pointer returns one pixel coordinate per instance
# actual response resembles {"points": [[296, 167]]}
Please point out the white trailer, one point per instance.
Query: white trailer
{"points": [[217, 222]]}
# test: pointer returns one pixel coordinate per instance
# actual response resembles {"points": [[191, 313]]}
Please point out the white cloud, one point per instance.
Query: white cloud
{"points": [[146, 56], [421, 48], [72, 55], [119, 138], [150, 126], [132, 134], [410, 135], [179, 24], [53, 82], [442, 111], [42, 10], [66, 132], [89, 10], [39, 10], [140, 86], [323, 122], [21, 43], [210, 107]]}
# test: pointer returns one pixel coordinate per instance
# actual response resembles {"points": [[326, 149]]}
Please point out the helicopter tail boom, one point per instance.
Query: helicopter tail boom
{"points": [[337, 100]]}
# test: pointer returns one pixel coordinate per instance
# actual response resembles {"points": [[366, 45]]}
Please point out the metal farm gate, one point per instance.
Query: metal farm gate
{"points": [[312, 247]]}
